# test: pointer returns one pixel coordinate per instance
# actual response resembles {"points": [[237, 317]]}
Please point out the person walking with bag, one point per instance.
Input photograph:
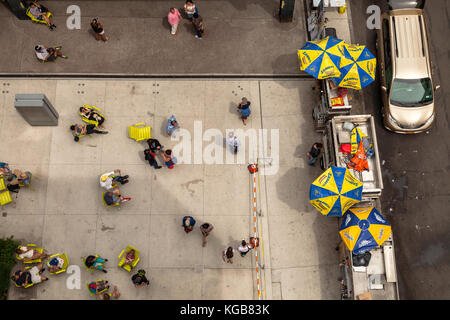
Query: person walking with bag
{"points": [[206, 229], [174, 18]]}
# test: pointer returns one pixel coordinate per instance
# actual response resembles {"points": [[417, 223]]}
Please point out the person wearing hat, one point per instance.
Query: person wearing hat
{"points": [[244, 110], [188, 223], [109, 180], [48, 54], [139, 279]]}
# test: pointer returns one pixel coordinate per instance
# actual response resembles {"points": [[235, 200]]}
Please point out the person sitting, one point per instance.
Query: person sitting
{"points": [[55, 264], [48, 54], [25, 277], [109, 180], [95, 262], [84, 129], [97, 287], [29, 253], [130, 257], [5, 170], [92, 115], [172, 125], [113, 296], [20, 178], [169, 159], [39, 12], [139, 279], [113, 197]]}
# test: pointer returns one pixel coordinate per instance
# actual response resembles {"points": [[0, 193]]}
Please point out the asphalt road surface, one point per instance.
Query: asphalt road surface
{"points": [[416, 169]]}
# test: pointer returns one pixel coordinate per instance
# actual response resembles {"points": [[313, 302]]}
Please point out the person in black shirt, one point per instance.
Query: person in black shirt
{"points": [[314, 153], [154, 145], [98, 29], [139, 279]]}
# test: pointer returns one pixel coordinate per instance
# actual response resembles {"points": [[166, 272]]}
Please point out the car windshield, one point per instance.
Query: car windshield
{"points": [[411, 92]]}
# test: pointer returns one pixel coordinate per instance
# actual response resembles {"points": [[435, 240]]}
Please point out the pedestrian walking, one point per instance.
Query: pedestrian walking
{"points": [[188, 223], [199, 27], [139, 279], [151, 158], [174, 18], [244, 248], [97, 26], [206, 229], [314, 153], [228, 254], [233, 142], [244, 110], [190, 8]]}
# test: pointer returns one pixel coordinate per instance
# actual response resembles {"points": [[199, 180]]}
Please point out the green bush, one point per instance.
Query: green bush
{"points": [[7, 262]]}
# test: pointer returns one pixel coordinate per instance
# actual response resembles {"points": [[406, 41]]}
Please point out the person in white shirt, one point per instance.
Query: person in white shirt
{"points": [[189, 8], [233, 142], [244, 248], [109, 180], [48, 54], [29, 253]]}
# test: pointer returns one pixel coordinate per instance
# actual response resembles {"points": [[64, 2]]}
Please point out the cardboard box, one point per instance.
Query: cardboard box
{"points": [[365, 296]]}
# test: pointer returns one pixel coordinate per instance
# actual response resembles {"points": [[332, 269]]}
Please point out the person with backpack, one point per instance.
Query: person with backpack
{"points": [[139, 279]]}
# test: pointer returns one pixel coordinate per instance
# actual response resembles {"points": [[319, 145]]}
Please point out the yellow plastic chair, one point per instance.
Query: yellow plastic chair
{"points": [[2, 184], [90, 292], [40, 250], [140, 132], [5, 198], [65, 265], [28, 13], [28, 285], [94, 122], [122, 256], [107, 205]]}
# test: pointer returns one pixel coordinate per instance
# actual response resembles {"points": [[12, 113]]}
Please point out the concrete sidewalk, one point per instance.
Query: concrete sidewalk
{"points": [[243, 37], [64, 212]]}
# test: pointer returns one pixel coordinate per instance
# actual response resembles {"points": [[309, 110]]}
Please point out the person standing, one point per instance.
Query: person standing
{"points": [[314, 153], [244, 248], [206, 229], [98, 29], [154, 145], [172, 125], [174, 18], [197, 21], [151, 158], [169, 160], [244, 110], [188, 223], [233, 142], [228, 254]]}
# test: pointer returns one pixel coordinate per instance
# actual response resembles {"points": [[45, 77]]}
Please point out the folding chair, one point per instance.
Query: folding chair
{"points": [[5, 198], [32, 18], [139, 132], [122, 256]]}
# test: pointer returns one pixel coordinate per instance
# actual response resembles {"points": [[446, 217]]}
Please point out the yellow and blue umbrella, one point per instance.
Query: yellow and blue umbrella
{"points": [[335, 191], [321, 58], [357, 67], [363, 229]]}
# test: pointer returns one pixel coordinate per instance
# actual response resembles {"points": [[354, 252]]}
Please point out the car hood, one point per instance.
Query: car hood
{"points": [[412, 117], [404, 4]]}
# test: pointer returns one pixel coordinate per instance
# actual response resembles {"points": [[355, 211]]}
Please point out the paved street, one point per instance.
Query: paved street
{"points": [[64, 212], [416, 171], [243, 37]]}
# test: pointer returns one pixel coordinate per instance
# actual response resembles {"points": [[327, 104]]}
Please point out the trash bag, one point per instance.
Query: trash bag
{"points": [[362, 259]]}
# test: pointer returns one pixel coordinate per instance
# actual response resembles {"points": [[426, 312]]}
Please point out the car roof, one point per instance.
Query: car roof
{"points": [[410, 51], [403, 4]]}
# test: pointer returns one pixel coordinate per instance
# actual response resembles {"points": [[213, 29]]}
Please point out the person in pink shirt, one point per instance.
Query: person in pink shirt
{"points": [[174, 18]]}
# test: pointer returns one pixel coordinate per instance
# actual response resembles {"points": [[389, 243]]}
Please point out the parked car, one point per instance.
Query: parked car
{"points": [[404, 4], [407, 90]]}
